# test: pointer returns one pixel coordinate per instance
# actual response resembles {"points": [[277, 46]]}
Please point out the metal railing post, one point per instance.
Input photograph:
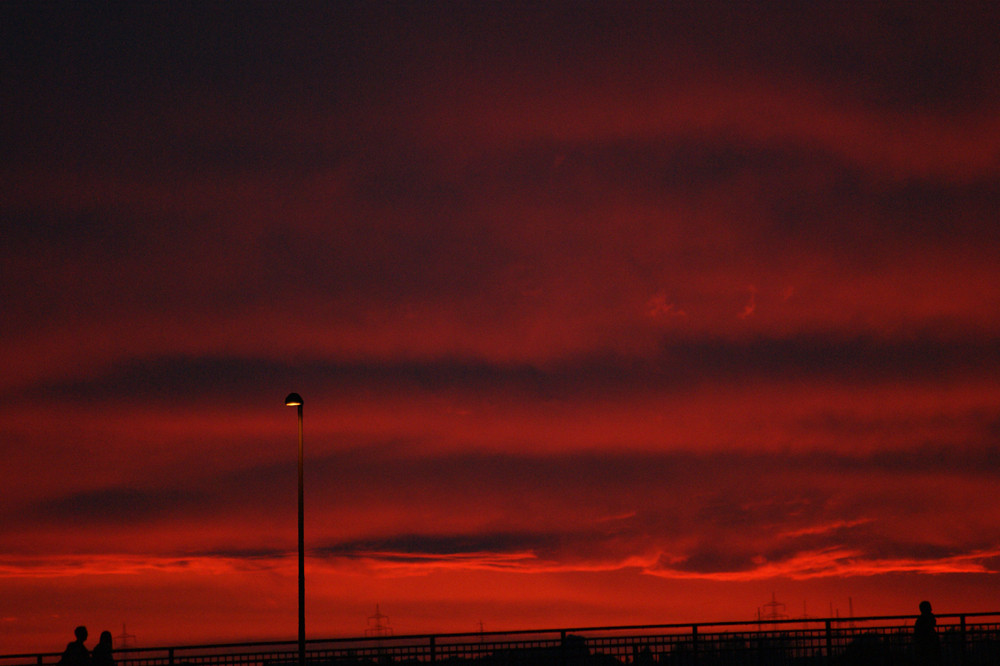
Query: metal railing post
{"points": [[829, 643], [694, 643], [961, 641], [433, 649], [170, 656]]}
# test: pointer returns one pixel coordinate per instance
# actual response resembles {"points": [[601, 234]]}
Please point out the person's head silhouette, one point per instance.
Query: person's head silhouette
{"points": [[925, 607], [81, 633], [105, 638]]}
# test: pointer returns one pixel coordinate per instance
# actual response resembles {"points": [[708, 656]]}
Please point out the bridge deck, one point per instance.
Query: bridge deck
{"points": [[966, 640]]}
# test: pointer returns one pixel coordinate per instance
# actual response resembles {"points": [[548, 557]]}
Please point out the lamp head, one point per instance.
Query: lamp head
{"points": [[293, 400]]}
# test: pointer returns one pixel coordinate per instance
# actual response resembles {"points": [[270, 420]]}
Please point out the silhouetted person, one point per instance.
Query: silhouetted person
{"points": [[76, 653], [926, 646], [101, 656]]}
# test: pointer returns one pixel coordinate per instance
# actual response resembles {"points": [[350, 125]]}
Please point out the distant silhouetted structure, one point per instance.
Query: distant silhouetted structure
{"points": [[101, 655], [772, 611], [378, 624], [125, 639], [926, 645], [76, 653]]}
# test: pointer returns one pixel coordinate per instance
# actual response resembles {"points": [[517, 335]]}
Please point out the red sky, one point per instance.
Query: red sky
{"points": [[602, 314]]}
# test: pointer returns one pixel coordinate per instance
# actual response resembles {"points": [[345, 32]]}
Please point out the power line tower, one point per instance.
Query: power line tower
{"points": [[125, 639], [772, 611], [378, 624]]}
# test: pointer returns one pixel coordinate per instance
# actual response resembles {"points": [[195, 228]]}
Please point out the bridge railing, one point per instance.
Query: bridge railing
{"points": [[970, 639]]}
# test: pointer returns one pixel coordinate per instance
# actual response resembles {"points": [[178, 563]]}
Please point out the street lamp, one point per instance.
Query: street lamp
{"points": [[295, 400]]}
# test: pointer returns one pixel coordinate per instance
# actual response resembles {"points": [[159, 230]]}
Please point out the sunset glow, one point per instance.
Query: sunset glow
{"points": [[601, 314]]}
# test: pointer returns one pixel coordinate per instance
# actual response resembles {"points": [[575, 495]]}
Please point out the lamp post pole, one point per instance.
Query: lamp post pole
{"points": [[295, 400]]}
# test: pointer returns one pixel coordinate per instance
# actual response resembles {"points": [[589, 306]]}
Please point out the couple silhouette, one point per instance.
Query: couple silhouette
{"points": [[77, 654]]}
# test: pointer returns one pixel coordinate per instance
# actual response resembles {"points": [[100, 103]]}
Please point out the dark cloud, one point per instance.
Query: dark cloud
{"points": [[715, 561], [679, 365], [245, 554], [862, 359], [401, 546], [760, 520], [120, 506], [763, 494], [495, 241]]}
